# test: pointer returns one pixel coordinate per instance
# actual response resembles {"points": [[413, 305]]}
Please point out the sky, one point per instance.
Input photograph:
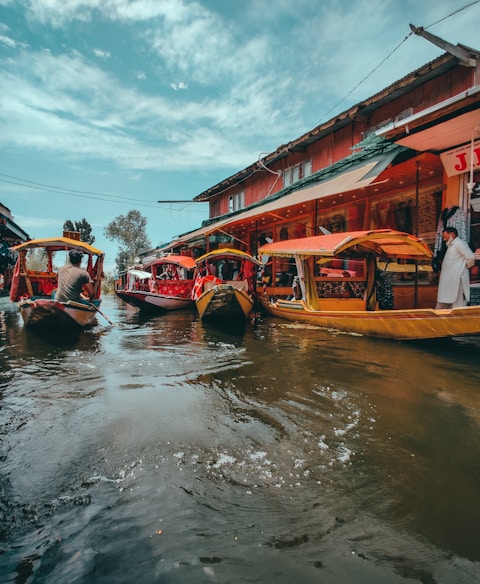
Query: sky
{"points": [[113, 105]]}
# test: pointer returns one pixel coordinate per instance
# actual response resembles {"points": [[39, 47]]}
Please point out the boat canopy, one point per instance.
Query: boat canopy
{"points": [[58, 244], [186, 262], [385, 243], [140, 274], [234, 254]]}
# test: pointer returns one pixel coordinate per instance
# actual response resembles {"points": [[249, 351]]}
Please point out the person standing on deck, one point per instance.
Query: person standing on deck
{"points": [[72, 279], [454, 282]]}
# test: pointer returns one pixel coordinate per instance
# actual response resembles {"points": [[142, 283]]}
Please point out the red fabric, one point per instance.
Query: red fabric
{"points": [[47, 287], [15, 293], [200, 283], [176, 288]]}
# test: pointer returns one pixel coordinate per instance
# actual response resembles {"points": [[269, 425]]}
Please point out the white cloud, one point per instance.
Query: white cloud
{"points": [[67, 106], [57, 13], [7, 41], [101, 54], [251, 86], [12, 43], [178, 86]]}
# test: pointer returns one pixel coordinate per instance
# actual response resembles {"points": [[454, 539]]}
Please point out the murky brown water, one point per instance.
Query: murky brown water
{"points": [[162, 451]]}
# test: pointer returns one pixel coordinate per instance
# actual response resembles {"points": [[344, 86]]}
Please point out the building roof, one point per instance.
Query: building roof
{"points": [[404, 85], [10, 231]]}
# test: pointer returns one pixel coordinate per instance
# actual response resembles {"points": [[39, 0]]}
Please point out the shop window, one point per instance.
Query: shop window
{"points": [[335, 222], [393, 214]]}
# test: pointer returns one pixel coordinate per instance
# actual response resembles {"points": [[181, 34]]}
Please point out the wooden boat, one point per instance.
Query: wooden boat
{"points": [[35, 280], [337, 287], [164, 283], [224, 289]]}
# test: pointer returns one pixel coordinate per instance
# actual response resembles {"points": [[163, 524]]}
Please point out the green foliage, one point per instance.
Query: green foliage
{"points": [[130, 232], [108, 284], [37, 259], [124, 260], [83, 227]]}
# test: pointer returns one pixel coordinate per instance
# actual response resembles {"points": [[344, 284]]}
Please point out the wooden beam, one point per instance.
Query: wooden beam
{"points": [[462, 54]]}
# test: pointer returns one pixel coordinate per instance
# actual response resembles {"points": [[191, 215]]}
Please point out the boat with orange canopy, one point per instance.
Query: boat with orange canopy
{"points": [[339, 284], [164, 283], [35, 280]]}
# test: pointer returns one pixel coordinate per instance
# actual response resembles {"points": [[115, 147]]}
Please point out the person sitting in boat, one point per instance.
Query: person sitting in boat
{"points": [[164, 275], [227, 271], [296, 289], [72, 280], [153, 285]]}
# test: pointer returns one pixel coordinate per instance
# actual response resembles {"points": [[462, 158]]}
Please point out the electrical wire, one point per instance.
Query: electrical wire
{"points": [[389, 55], [365, 78], [118, 199], [452, 14], [67, 190]]}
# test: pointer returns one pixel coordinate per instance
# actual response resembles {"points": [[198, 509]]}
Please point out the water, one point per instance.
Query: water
{"points": [[164, 451]]}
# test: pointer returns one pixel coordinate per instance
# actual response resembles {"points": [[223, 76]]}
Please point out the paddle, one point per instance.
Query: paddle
{"points": [[100, 312]]}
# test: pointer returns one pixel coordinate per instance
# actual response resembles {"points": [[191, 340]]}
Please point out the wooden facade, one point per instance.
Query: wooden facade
{"points": [[407, 192], [10, 234]]}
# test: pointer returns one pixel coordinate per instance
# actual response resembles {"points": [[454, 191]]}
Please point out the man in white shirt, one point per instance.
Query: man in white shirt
{"points": [[454, 282]]}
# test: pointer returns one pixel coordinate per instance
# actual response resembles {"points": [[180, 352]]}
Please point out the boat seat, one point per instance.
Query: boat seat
{"points": [[238, 284]]}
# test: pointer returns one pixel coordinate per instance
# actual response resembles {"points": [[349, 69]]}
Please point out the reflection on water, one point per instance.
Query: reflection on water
{"points": [[165, 450]]}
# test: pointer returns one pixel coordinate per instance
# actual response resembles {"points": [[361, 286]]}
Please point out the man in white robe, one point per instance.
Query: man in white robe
{"points": [[454, 282]]}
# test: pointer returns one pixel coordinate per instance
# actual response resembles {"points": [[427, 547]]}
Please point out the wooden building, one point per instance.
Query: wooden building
{"points": [[402, 159], [10, 234]]}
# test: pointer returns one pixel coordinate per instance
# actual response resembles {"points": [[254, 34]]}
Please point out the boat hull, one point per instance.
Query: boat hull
{"points": [[224, 303], [46, 313], [411, 324], [151, 301]]}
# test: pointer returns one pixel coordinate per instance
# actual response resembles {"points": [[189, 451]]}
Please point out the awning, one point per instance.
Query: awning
{"points": [[140, 274], [438, 127], [359, 176], [444, 135]]}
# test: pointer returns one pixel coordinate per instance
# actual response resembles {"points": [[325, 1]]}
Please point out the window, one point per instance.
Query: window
{"points": [[297, 172], [236, 201]]}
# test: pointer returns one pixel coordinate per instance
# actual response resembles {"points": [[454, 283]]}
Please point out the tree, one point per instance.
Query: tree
{"points": [[83, 227], [124, 260], [130, 232]]}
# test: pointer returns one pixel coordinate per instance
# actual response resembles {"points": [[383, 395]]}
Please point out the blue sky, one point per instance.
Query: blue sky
{"points": [[112, 105]]}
